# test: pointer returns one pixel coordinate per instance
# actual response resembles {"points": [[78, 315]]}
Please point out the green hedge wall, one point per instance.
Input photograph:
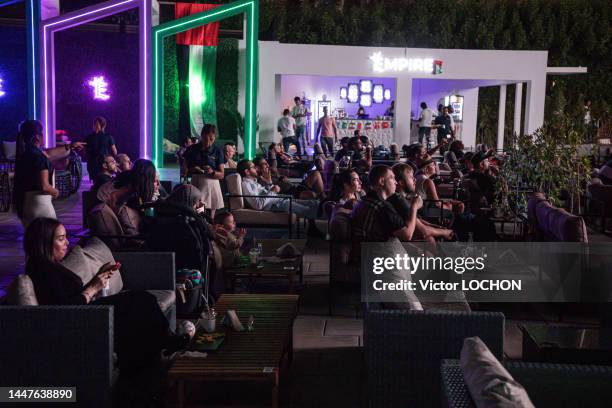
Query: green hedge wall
{"points": [[575, 32], [226, 87]]}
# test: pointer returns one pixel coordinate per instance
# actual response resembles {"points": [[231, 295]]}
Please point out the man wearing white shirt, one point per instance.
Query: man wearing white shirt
{"points": [[286, 126], [425, 123], [299, 113], [266, 197]]}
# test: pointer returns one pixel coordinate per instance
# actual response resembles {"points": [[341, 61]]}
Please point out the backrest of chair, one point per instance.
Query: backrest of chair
{"points": [[330, 168], [103, 221], [21, 292], [234, 187], [532, 203], [89, 201], [559, 225], [58, 346], [340, 233], [603, 193]]}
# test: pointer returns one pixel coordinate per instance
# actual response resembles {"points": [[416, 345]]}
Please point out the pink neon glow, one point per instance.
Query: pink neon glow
{"points": [[59, 23], [100, 87]]}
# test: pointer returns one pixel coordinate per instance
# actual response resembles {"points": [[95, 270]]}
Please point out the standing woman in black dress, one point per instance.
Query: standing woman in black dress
{"points": [[99, 143], [33, 189]]}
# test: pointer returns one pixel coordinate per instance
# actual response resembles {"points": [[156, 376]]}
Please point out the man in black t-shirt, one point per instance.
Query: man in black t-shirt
{"points": [[402, 201], [374, 219], [482, 174], [99, 143], [108, 168], [443, 124]]}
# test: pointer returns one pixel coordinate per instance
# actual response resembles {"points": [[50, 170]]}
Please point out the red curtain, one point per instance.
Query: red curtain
{"points": [[207, 35]]}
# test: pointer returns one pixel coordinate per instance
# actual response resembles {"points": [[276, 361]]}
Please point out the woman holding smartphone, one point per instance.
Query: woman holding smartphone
{"points": [[141, 329], [205, 162]]}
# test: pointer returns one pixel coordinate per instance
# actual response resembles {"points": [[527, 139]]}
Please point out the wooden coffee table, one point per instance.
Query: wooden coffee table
{"points": [[249, 355], [286, 269], [553, 343]]}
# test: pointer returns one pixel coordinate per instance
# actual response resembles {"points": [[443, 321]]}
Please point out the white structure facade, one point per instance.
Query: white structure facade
{"points": [[462, 70]]}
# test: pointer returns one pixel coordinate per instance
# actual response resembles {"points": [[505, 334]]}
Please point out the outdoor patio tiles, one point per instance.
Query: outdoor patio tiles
{"points": [[343, 327], [324, 342], [309, 325]]}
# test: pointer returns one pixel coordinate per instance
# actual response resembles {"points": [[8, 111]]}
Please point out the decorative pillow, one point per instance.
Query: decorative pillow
{"points": [[490, 384], [21, 292], [86, 261], [9, 149], [129, 219]]}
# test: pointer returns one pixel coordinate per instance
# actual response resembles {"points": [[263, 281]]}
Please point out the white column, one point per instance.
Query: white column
{"points": [[534, 104], [501, 122], [518, 106], [403, 114], [154, 13]]}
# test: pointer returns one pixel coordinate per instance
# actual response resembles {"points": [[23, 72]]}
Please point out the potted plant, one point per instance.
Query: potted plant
{"points": [[550, 161]]}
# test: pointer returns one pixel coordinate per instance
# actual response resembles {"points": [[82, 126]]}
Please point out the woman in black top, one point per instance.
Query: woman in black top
{"points": [[32, 190], [205, 163], [99, 143], [141, 329]]}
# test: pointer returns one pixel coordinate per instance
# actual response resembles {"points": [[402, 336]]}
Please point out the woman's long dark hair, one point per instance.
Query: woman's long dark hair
{"points": [[38, 240], [29, 131], [342, 178], [140, 178]]}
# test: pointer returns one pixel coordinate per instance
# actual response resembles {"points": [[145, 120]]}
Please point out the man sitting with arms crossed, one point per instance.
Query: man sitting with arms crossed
{"points": [[401, 201], [265, 201]]}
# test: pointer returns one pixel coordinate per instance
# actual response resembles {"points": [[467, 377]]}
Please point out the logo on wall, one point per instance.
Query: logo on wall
{"points": [[437, 69], [383, 64], [2, 93], [100, 88]]}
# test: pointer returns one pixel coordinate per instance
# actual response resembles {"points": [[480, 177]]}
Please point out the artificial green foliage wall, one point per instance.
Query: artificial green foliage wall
{"points": [[171, 91], [226, 87]]}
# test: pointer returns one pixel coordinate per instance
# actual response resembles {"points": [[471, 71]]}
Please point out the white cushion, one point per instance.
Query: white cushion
{"points": [[85, 262], [490, 384], [9, 150]]}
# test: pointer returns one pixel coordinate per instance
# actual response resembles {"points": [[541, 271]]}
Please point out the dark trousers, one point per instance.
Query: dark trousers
{"points": [[327, 144], [292, 139], [92, 170], [425, 132]]}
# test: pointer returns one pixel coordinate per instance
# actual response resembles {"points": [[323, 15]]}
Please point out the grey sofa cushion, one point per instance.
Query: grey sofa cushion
{"points": [[490, 384], [165, 298], [21, 292], [86, 261]]}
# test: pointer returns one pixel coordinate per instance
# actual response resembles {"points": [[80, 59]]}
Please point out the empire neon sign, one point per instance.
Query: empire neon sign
{"points": [[100, 88], [381, 63], [2, 93]]}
